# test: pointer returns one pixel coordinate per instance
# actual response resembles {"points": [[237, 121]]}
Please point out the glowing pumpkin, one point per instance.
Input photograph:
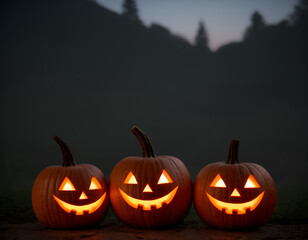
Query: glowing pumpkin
{"points": [[70, 195], [150, 191], [234, 195]]}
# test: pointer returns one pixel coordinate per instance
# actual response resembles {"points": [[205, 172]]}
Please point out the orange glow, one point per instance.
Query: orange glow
{"points": [[239, 208], [218, 182], [164, 178], [95, 184], [147, 188], [251, 182], [80, 209], [130, 179], [146, 204], [83, 196], [67, 185], [235, 193]]}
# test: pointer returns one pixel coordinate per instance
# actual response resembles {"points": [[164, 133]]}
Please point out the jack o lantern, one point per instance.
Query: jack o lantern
{"points": [[150, 191], [234, 195], [70, 196]]}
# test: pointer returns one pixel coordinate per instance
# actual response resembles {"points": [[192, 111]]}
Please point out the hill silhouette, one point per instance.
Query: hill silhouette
{"points": [[87, 74]]}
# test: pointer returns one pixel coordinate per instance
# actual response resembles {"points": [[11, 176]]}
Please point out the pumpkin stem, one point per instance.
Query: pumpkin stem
{"points": [[147, 148], [233, 152], [67, 155]]}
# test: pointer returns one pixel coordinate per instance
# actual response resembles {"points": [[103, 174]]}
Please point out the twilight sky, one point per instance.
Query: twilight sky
{"points": [[225, 20]]}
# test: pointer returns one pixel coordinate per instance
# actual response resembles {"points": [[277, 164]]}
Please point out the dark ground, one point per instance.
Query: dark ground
{"points": [[111, 229], [290, 221]]}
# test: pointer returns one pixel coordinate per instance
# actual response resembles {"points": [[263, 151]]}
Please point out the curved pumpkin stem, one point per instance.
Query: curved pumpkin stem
{"points": [[67, 155], [233, 152], [147, 148]]}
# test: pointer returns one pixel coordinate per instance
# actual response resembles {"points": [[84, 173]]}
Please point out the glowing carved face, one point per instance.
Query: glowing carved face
{"points": [[80, 209], [239, 208], [147, 204]]}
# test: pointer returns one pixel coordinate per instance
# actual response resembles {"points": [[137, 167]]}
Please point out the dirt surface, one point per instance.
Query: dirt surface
{"points": [[111, 229]]}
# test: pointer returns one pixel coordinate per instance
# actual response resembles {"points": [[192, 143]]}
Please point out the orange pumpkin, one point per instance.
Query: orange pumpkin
{"points": [[234, 195], [70, 196], [150, 191]]}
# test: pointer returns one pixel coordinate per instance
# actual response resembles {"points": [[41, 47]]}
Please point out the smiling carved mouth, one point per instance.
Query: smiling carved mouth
{"points": [[80, 209], [239, 208], [146, 204]]}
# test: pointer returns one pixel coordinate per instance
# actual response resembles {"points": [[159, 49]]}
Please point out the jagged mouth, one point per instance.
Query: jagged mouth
{"points": [[239, 208], [81, 209], [147, 204]]}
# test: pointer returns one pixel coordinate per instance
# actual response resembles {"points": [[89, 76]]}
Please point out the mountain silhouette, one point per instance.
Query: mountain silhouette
{"points": [[87, 74]]}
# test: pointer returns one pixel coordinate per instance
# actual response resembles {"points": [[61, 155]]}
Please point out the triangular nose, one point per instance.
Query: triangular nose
{"points": [[147, 188], [235, 193], [83, 196]]}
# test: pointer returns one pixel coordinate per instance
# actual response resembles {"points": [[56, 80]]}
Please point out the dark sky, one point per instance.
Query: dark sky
{"points": [[225, 20]]}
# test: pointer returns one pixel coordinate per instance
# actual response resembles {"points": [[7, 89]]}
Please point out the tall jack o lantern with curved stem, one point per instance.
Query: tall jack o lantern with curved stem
{"points": [[150, 191], [70, 196], [234, 195]]}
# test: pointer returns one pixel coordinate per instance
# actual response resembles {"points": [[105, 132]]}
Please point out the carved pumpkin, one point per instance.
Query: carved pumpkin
{"points": [[234, 195], [150, 191], [70, 195]]}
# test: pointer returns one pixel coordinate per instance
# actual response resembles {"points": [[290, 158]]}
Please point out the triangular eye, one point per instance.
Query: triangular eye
{"points": [[218, 182], [130, 179], [95, 184], [251, 182], [67, 185], [164, 178]]}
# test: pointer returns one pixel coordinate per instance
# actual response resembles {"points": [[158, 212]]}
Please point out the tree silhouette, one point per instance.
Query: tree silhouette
{"points": [[257, 24], [201, 39], [300, 15], [130, 10]]}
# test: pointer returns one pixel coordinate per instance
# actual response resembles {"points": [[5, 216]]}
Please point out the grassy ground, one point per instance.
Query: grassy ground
{"points": [[292, 207]]}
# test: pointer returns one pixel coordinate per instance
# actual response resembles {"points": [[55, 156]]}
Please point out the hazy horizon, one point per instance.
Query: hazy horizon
{"points": [[225, 20]]}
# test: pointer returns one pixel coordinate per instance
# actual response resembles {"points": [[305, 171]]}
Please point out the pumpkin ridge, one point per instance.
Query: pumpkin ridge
{"points": [[257, 168]]}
